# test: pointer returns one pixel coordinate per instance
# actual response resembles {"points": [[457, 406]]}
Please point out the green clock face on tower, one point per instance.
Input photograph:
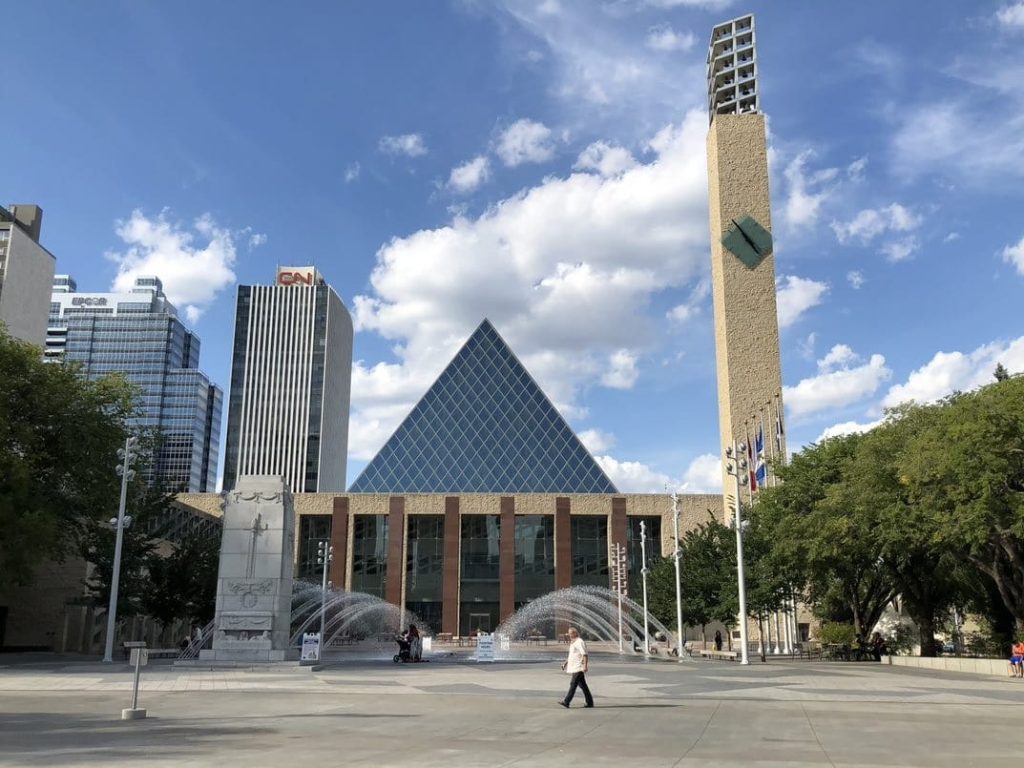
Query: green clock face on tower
{"points": [[748, 241]]}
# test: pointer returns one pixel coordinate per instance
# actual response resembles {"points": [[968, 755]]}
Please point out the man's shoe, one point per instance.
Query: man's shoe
{"points": [[563, 703], [588, 706]]}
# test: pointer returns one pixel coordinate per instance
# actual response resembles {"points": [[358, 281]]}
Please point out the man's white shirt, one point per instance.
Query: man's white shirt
{"points": [[577, 652]]}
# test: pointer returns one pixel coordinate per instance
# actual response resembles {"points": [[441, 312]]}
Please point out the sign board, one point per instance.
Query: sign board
{"points": [[485, 648], [427, 644], [505, 644], [298, 276], [310, 646], [139, 657]]}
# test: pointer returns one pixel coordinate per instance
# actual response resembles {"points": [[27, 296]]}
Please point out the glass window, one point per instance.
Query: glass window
{"points": [[370, 554], [480, 590], [424, 569], [633, 554], [312, 530], [590, 550], [535, 556]]}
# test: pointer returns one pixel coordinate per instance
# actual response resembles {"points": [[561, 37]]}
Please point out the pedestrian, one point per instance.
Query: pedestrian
{"points": [[718, 639], [576, 665]]}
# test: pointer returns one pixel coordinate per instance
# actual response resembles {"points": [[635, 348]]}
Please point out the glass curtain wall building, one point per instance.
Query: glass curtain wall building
{"points": [[138, 334], [290, 379], [484, 426]]}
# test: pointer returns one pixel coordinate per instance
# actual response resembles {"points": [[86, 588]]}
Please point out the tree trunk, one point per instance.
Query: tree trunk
{"points": [[926, 630]]}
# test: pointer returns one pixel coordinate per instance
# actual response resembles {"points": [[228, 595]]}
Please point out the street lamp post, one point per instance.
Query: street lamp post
{"points": [[120, 522], [643, 573], [677, 556], [736, 465], [324, 556], [619, 567]]}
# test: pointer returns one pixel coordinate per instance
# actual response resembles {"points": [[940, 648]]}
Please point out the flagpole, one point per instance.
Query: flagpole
{"points": [[771, 448]]}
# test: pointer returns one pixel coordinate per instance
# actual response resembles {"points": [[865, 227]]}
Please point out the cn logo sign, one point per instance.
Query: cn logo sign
{"points": [[295, 278]]}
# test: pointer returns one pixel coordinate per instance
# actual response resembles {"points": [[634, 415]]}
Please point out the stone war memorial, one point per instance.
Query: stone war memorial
{"points": [[254, 581]]}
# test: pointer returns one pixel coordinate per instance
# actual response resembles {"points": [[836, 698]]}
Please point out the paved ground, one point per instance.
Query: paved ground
{"points": [[452, 713]]}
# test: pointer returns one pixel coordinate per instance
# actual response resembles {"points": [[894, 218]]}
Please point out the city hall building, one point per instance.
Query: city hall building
{"points": [[482, 500]]}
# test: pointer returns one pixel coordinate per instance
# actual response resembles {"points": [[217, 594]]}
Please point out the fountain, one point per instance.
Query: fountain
{"points": [[593, 610]]}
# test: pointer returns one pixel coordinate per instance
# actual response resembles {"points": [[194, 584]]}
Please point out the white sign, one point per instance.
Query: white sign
{"points": [[139, 657], [427, 644], [505, 645], [310, 646], [485, 648]]}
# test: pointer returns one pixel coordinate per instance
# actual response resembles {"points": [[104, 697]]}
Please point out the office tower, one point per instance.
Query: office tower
{"points": [[138, 334], [291, 375], [26, 272], [742, 264]]}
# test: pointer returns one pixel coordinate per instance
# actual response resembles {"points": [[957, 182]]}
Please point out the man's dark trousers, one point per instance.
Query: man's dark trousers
{"points": [[580, 679]]}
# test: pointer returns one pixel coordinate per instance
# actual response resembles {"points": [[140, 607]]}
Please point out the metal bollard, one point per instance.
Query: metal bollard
{"points": [[139, 657]]}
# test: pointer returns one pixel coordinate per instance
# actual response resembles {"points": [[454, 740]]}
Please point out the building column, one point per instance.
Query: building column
{"points": [[339, 540], [507, 558], [563, 556], [620, 532], [563, 544], [450, 576], [396, 545]]}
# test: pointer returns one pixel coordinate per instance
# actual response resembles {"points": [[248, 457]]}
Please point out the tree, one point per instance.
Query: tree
{"points": [[138, 548], [827, 549], [59, 434], [183, 584], [968, 467], [707, 572]]}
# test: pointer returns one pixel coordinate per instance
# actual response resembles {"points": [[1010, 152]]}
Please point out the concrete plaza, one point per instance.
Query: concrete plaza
{"points": [[452, 712]]}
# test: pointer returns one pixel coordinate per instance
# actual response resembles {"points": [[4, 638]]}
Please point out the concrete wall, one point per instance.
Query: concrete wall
{"points": [[998, 667], [28, 283], [36, 613]]}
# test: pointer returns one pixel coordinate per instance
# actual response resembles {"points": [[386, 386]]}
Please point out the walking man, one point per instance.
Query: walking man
{"points": [[576, 665]]}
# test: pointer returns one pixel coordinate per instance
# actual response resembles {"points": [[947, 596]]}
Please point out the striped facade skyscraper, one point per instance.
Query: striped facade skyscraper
{"points": [[291, 376]]}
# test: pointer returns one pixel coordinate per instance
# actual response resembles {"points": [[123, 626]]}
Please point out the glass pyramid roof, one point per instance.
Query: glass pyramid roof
{"points": [[483, 427]]}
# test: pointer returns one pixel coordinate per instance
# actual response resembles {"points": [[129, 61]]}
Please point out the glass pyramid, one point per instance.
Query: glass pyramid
{"points": [[483, 427]]}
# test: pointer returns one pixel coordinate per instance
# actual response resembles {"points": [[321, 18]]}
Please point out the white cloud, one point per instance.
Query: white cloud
{"points": [[839, 356], [855, 170], [692, 307], [606, 159], [838, 385], [193, 273], [902, 249], [1014, 254], [256, 239], [947, 372], [806, 346], [704, 475], [663, 38], [847, 428], [549, 8], [1011, 17], [622, 372], [565, 270], [855, 279], [596, 441], [795, 295], [960, 138], [951, 237], [409, 144], [525, 141], [470, 175], [806, 191], [870, 223], [633, 476], [352, 172]]}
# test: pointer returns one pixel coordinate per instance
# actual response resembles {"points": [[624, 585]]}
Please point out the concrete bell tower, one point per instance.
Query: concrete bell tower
{"points": [[742, 260]]}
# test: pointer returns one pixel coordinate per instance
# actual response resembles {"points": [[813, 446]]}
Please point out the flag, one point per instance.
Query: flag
{"points": [[750, 466], [778, 428], [760, 468]]}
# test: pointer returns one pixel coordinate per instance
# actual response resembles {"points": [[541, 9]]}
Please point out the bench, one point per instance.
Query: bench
{"points": [[155, 653], [713, 654], [537, 639]]}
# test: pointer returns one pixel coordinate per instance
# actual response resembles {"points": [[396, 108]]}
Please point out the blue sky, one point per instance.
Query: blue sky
{"points": [[542, 164]]}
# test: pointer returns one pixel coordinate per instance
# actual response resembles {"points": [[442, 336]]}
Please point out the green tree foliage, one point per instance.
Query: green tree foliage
{"points": [[707, 572], [139, 547], [967, 467], [183, 584], [59, 435], [807, 520]]}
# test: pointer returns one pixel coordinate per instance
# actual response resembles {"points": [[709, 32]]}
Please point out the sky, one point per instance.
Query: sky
{"points": [[542, 163]]}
